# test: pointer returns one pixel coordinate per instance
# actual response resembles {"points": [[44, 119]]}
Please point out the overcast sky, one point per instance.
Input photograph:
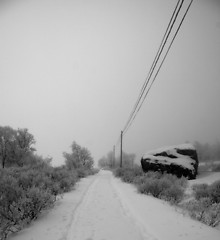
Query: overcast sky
{"points": [[71, 70]]}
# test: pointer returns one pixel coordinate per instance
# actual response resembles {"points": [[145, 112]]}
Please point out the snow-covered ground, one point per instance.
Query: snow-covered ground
{"points": [[103, 208], [205, 177]]}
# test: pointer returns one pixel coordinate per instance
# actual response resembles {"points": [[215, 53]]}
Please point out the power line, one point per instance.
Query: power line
{"points": [[161, 47], [146, 93], [166, 53], [162, 60], [143, 91], [147, 79], [166, 35]]}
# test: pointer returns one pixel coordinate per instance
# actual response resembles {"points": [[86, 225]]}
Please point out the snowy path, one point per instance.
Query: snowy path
{"points": [[101, 215], [103, 208]]}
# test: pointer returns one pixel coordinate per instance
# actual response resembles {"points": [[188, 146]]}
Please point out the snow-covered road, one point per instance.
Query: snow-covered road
{"points": [[101, 214], [103, 208]]}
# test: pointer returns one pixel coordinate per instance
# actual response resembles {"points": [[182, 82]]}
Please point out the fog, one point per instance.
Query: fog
{"points": [[72, 70]]}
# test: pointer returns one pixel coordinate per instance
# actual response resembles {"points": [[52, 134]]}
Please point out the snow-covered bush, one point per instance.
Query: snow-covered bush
{"points": [[35, 200], [93, 171], [26, 191], [20, 200], [212, 192], [206, 205], [215, 192], [10, 194], [82, 172], [64, 178], [204, 210], [129, 174], [153, 187], [173, 194], [119, 172], [201, 191], [165, 187]]}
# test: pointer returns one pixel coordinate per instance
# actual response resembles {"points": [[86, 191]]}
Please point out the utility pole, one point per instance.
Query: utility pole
{"points": [[113, 157], [121, 150]]}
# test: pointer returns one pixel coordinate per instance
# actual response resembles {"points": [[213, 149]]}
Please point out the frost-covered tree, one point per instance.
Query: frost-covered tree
{"points": [[15, 145], [7, 139], [80, 157]]}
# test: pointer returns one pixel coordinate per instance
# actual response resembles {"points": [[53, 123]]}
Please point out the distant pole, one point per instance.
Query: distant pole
{"points": [[121, 150], [113, 156]]}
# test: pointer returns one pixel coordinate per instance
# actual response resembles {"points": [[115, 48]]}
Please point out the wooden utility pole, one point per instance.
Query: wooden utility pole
{"points": [[113, 156], [121, 150]]}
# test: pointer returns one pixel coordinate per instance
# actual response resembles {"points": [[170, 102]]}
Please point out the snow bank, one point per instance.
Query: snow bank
{"points": [[205, 177]]}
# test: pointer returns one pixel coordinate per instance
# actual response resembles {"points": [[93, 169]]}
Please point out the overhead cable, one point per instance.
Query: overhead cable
{"points": [[142, 99], [167, 32]]}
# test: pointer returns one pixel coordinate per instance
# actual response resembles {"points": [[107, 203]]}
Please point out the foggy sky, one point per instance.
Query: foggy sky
{"points": [[72, 70]]}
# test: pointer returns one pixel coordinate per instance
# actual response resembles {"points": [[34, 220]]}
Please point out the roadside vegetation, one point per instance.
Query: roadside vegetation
{"points": [[203, 205], [163, 186], [28, 182]]}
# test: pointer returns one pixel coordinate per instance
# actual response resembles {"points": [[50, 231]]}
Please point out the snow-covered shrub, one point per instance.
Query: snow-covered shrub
{"points": [[10, 193], [26, 191], [35, 200], [212, 215], [64, 178], [119, 172], [82, 172], [201, 191], [182, 182], [152, 187], [154, 175], [206, 205], [19, 201], [212, 192], [163, 186], [173, 194], [139, 180], [215, 192], [65, 184], [204, 210], [129, 174], [166, 187], [94, 171]]}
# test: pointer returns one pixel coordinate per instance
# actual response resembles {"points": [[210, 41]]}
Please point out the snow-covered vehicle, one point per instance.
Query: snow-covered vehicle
{"points": [[180, 160]]}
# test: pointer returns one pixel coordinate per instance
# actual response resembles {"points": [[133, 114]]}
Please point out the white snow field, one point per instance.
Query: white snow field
{"points": [[103, 208]]}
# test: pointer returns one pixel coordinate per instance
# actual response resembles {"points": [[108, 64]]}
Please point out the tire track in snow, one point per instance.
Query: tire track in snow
{"points": [[130, 213], [102, 215], [76, 208]]}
